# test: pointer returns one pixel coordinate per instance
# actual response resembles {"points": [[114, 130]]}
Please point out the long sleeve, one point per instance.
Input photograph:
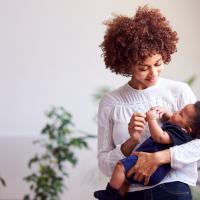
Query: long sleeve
{"points": [[108, 153], [185, 154], [190, 152]]}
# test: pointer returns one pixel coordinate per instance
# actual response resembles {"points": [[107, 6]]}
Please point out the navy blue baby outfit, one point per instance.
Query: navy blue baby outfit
{"points": [[178, 136]]}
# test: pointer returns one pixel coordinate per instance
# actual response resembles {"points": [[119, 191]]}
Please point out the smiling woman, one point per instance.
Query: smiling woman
{"points": [[50, 55], [138, 47], [146, 74]]}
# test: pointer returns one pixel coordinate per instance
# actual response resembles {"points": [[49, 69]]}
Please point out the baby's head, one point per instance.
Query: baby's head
{"points": [[188, 118]]}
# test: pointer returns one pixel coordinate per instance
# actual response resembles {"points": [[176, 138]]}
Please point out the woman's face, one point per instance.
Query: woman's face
{"points": [[147, 73]]}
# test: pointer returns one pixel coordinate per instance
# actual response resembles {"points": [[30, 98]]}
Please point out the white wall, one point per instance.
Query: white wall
{"points": [[49, 55]]}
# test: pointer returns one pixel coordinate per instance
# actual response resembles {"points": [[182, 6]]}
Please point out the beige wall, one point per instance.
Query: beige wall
{"points": [[49, 55]]}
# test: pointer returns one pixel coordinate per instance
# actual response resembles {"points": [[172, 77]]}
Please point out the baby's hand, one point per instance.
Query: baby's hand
{"points": [[151, 114], [162, 110], [163, 113]]}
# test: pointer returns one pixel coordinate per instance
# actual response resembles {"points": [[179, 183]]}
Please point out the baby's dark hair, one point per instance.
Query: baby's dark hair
{"points": [[128, 41], [196, 121]]}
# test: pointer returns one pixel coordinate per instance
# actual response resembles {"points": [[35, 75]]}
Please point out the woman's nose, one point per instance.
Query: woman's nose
{"points": [[153, 72]]}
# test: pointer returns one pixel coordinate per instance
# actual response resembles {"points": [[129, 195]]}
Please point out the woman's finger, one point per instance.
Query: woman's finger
{"points": [[139, 114], [137, 129], [131, 171], [136, 124], [138, 176], [138, 118], [146, 180]]}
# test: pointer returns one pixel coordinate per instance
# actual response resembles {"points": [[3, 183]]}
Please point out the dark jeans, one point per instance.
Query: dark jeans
{"points": [[166, 191]]}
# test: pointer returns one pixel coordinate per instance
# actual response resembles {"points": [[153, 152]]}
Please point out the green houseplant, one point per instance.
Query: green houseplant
{"points": [[58, 144]]}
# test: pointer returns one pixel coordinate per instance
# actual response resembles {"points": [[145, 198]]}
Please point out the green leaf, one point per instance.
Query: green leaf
{"points": [[78, 142], [101, 92], [190, 80], [33, 160], [58, 145]]}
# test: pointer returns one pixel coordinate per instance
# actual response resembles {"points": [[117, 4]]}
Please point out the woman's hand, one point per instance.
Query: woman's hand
{"points": [[136, 125], [136, 129], [147, 164]]}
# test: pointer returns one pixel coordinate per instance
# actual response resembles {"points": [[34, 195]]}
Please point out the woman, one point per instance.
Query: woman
{"points": [[139, 47]]}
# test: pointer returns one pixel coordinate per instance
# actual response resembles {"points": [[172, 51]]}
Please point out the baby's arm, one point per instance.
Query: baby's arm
{"points": [[156, 132]]}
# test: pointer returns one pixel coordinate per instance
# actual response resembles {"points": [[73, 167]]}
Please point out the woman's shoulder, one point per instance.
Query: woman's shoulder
{"points": [[113, 97], [173, 84]]}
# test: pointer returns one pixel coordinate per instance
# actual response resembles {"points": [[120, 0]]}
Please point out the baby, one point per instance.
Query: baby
{"points": [[178, 128]]}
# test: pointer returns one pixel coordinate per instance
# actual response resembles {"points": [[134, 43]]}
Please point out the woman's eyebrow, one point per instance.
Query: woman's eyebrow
{"points": [[142, 64]]}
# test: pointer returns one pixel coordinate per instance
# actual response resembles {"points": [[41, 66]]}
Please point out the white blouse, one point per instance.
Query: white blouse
{"points": [[115, 111]]}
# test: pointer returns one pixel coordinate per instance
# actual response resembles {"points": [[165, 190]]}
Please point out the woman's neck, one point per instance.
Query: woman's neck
{"points": [[136, 86]]}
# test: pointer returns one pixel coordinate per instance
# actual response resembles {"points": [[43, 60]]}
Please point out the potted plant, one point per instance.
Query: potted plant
{"points": [[58, 144]]}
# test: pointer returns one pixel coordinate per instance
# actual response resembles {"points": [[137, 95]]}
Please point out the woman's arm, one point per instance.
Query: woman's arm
{"points": [[128, 146], [147, 164], [184, 154], [108, 153]]}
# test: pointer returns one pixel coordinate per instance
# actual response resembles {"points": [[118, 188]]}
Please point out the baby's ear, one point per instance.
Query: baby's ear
{"points": [[188, 129]]}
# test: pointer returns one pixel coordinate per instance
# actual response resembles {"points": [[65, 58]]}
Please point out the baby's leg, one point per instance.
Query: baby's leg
{"points": [[118, 176], [118, 179], [124, 188], [115, 187]]}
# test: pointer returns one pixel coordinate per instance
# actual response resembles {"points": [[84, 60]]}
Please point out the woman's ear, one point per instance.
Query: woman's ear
{"points": [[188, 129]]}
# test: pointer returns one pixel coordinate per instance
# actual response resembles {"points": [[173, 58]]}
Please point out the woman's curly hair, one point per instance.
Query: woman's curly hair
{"points": [[129, 40]]}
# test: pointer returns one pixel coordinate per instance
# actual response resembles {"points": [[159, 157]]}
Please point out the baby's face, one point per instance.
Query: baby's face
{"points": [[183, 117]]}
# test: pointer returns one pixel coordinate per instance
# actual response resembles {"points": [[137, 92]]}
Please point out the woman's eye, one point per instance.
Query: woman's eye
{"points": [[143, 69], [158, 64]]}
